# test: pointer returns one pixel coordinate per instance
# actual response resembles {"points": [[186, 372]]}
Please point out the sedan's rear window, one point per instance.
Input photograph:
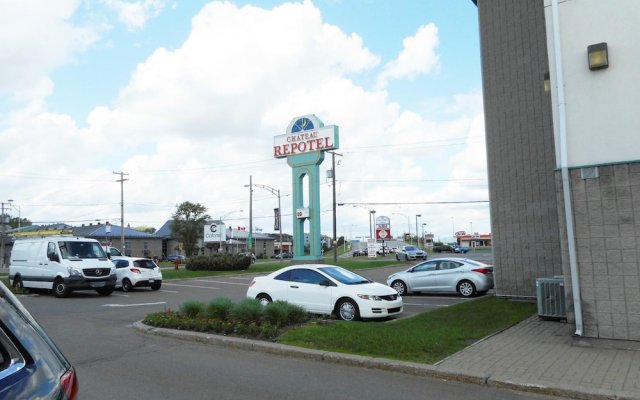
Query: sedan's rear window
{"points": [[148, 264]]}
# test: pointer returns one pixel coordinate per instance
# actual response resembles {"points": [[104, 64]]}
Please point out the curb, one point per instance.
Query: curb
{"points": [[405, 367]]}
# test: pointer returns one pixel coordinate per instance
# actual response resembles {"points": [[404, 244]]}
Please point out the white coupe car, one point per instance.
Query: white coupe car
{"points": [[327, 289], [136, 272]]}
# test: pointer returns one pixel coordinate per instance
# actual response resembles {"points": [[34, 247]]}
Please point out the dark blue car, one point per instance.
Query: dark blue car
{"points": [[31, 365]]}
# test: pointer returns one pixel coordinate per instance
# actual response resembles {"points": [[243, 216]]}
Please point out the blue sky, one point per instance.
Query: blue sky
{"points": [[186, 97]]}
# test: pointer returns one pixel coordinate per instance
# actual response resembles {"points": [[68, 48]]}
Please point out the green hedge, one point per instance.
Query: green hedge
{"points": [[219, 262]]}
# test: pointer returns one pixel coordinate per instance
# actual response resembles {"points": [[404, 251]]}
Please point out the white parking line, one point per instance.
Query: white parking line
{"points": [[170, 291], [134, 305], [191, 286], [225, 283]]}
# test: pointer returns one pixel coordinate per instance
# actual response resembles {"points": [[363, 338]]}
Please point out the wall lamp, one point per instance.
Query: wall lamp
{"points": [[598, 56], [547, 82]]}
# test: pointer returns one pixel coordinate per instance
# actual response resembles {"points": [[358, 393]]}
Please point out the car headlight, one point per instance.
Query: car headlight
{"points": [[370, 297], [74, 271]]}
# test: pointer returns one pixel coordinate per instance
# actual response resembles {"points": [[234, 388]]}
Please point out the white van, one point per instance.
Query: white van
{"points": [[62, 264]]}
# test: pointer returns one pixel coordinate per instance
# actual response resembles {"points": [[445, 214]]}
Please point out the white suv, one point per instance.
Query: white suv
{"points": [[136, 272]]}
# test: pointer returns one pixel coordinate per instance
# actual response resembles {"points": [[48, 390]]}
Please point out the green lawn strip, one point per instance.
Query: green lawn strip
{"points": [[265, 267], [425, 338]]}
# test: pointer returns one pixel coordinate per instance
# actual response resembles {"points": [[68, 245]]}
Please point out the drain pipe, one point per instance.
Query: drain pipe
{"points": [[564, 155]]}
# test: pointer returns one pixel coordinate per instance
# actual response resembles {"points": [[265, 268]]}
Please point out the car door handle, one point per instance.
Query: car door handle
{"points": [[294, 287]]}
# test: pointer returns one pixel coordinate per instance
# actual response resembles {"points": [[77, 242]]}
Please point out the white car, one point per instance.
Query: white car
{"points": [[327, 289], [133, 272]]}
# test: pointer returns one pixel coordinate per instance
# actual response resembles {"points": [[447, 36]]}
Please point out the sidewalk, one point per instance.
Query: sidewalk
{"points": [[535, 356], [543, 355]]}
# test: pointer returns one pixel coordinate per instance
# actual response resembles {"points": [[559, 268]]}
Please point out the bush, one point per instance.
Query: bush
{"points": [[192, 308], [282, 313], [248, 310], [220, 308], [219, 262]]}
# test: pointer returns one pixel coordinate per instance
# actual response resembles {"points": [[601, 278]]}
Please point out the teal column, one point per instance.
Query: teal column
{"points": [[306, 165]]}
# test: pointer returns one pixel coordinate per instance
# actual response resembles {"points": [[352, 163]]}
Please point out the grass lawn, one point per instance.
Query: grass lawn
{"points": [[424, 338], [270, 266]]}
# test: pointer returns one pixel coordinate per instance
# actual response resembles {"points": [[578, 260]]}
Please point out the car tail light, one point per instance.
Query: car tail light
{"points": [[134, 270], [69, 383], [484, 271]]}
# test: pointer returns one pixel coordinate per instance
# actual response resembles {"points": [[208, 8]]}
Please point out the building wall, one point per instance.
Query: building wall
{"points": [[520, 148], [606, 212]]}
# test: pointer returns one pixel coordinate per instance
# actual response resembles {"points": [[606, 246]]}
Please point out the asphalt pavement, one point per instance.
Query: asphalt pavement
{"points": [[534, 356]]}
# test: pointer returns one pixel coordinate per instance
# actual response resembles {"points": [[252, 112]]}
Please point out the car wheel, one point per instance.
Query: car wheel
{"points": [[126, 285], [60, 288], [348, 310], [264, 299], [400, 287], [406, 257], [466, 288], [104, 291], [397, 257], [17, 283], [156, 286]]}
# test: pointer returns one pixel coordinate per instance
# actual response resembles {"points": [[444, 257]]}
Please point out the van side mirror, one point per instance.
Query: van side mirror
{"points": [[53, 257]]}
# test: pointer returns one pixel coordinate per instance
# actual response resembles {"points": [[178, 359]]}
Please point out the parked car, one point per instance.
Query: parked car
{"points": [[327, 289], [410, 253], [445, 248], [467, 277], [359, 252], [133, 272], [31, 365], [250, 255], [460, 249], [284, 255], [174, 257], [62, 264]]}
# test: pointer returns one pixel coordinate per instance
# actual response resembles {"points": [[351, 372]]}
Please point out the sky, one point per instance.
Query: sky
{"points": [[186, 96]]}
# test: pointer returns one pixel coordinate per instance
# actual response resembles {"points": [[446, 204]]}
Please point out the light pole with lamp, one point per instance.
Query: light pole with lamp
{"points": [[3, 221], [222, 223], [275, 192], [408, 226], [372, 217], [424, 245], [417, 233]]}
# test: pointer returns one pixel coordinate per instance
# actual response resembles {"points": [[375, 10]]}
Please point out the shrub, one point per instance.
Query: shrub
{"points": [[220, 308], [248, 310], [277, 313], [192, 308], [219, 262]]}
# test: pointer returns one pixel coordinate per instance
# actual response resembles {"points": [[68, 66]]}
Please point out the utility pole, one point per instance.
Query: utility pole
{"points": [[122, 180], [2, 227], [275, 192], [333, 177], [250, 236]]}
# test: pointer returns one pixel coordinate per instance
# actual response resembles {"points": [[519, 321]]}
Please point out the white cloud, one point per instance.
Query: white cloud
{"points": [[35, 38], [193, 123], [418, 56], [135, 14]]}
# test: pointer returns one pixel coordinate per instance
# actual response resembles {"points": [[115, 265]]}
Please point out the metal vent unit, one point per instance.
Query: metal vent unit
{"points": [[551, 301]]}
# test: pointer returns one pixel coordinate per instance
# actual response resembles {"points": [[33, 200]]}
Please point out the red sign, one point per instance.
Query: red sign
{"points": [[383, 233]]}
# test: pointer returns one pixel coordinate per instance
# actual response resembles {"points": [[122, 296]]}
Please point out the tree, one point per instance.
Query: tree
{"points": [[188, 224], [144, 228], [15, 222]]}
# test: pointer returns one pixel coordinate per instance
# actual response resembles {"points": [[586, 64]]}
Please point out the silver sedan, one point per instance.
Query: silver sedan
{"points": [[467, 277]]}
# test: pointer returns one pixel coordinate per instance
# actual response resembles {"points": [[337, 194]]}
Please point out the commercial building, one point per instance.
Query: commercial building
{"points": [[560, 99]]}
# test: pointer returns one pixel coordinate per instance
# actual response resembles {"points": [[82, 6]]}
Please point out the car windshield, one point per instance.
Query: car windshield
{"points": [[344, 276], [409, 248], [81, 250], [149, 264]]}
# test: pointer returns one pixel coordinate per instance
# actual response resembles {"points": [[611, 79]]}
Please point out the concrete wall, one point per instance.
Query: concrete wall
{"points": [[520, 149]]}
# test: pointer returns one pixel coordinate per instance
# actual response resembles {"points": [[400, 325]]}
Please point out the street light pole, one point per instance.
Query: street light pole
{"points": [[275, 192], [372, 215], [417, 234], [408, 226], [2, 230], [424, 245]]}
